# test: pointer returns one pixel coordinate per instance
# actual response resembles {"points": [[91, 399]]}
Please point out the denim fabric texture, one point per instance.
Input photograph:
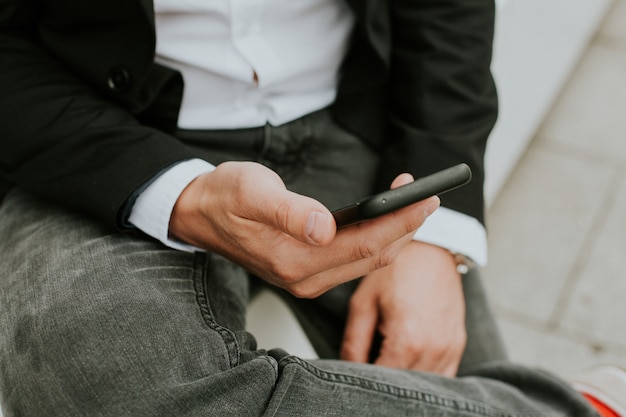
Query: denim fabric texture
{"points": [[95, 322]]}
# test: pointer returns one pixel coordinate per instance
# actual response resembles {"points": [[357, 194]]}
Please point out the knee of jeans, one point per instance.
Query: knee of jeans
{"points": [[84, 352], [58, 365]]}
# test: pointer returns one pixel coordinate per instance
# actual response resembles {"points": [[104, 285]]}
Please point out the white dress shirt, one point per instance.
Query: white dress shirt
{"points": [[249, 62], [292, 48]]}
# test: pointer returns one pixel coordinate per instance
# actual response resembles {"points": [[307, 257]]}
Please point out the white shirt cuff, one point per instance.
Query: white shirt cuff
{"points": [[456, 232], [153, 208]]}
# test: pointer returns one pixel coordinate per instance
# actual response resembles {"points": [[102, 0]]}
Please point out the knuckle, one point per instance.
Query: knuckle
{"points": [[302, 291], [414, 350], [439, 351], [348, 350], [282, 215], [411, 227], [382, 259], [366, 249], [380, 252], [286, 273], [440, 345], [293, 280]]}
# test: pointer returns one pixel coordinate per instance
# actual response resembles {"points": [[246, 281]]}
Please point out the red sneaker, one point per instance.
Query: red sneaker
{"points": [[605, 388]]}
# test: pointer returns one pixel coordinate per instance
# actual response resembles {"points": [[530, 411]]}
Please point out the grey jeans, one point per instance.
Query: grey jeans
{"points": [[99, 323]]}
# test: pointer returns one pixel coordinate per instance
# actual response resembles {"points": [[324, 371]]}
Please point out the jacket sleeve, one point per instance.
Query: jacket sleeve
{"points": [[61, 138], [442, 98]]}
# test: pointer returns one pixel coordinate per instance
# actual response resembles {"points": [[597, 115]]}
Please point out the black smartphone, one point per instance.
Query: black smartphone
{"points": [[388, 201]]}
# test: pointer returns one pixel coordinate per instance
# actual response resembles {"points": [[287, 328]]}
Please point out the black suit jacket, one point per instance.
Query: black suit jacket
{"points": [[86, 114]]}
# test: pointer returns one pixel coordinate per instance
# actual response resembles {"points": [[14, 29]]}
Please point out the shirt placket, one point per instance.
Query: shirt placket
{"points": [[247, 37]]}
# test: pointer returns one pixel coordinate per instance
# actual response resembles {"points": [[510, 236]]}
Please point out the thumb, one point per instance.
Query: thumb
{"points": [[319, 228], [268, 201], [301, 217]]}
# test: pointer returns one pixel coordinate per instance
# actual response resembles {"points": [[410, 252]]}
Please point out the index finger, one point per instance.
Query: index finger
{"points": [[358, 250]]}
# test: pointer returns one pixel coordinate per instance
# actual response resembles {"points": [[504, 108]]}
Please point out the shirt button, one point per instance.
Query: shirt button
{"points": [[118, 79]]}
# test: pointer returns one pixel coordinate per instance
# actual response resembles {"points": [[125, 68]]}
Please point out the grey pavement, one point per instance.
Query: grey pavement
{"points": [[557, 230]]}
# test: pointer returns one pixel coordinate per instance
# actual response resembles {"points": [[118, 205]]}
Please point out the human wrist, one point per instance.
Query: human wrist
{"points": [[151, 212], [186, 212], [457, 232], [437, 254]]}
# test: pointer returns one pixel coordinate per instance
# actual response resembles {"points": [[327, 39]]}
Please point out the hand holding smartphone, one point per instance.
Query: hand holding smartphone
{"points": [[391, 200]]}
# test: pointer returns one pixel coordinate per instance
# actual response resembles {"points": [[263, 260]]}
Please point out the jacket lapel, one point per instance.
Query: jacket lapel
{"points": [[148, 8], [359, 8], [373, 18]]}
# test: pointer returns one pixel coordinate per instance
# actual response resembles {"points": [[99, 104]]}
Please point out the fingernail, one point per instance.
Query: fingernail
{"points": [[431, 207], [313, 232]]}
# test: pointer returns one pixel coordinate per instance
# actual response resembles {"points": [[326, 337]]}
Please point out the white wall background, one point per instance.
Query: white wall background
{"points": [[537, 44]]}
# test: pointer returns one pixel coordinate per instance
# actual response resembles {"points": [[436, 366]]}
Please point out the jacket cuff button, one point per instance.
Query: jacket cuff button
{"points": [[118, 79]]}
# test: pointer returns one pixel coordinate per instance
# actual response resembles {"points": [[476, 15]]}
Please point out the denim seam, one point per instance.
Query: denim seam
{"points": [[272, 362], [230, 341], [424, 397]]}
